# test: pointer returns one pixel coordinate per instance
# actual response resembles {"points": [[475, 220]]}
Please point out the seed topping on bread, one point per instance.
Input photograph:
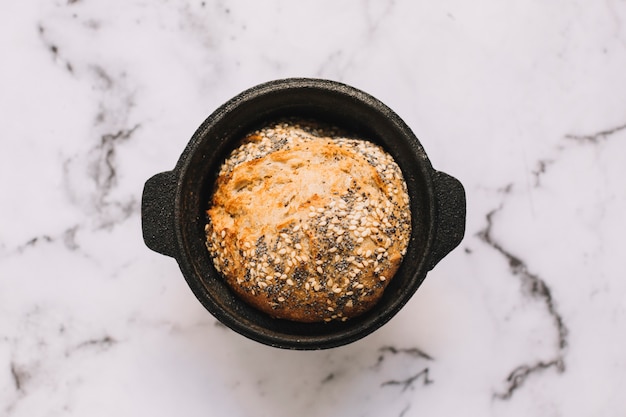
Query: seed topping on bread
{"points": [[308, 224]]}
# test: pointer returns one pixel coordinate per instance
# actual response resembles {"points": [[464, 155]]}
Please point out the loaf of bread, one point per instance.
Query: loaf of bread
{"points": [[306, 224]]}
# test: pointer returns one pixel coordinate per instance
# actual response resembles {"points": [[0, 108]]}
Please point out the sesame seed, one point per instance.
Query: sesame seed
{"points": [[281, 299], [298, 246], [382, 278], [290, 281], [332, 250], [320, 270], [223, 234], [330, 309], [336, 290]]}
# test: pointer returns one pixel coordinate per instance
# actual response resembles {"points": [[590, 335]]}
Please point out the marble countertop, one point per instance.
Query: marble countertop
{"points": [[524, 102]]}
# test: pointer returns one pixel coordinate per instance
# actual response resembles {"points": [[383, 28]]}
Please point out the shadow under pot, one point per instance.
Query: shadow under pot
{"points": [[174, 205]]}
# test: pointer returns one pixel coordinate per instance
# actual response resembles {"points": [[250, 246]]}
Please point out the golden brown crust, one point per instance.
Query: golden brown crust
{"points": [[307, 227]]}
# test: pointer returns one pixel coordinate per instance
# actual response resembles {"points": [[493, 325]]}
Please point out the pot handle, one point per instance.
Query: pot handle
{"points": [[157, 213], [449, 216]]}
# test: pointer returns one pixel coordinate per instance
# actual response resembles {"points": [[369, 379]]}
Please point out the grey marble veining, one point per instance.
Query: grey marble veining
{"points": [[524, 102]]}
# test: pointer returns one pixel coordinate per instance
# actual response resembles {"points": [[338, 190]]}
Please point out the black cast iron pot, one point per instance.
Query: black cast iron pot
{"points": [[174, 205]]}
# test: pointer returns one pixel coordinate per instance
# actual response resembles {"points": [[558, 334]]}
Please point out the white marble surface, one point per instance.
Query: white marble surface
{"points": [[524, 102]]}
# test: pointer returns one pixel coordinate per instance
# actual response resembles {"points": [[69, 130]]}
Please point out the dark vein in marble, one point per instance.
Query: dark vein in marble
{"points": [[596, 137], [413, 352], [517, 377], [404, 410], [53, 49], [328, 378], [104, 342], [105, 172], [540, 170], [101, 344], [35, 241], [68, 237], [409, 382], [19, 376], [538, 289]]}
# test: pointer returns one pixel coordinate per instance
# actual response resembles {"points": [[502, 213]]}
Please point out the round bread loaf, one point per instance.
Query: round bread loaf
{"points": [[306, 224]]}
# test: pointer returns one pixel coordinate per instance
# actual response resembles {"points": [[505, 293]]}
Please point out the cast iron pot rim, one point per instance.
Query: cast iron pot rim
{"points": [[301, 342]]}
